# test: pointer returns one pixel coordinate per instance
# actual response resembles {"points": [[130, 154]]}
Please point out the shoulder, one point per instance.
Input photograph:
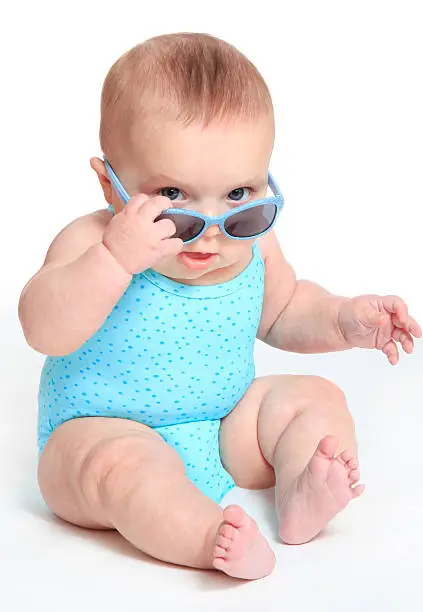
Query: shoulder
{"points": [[76, 237]]}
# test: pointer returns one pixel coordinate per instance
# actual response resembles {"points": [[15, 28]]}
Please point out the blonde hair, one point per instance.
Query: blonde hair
{"points": [[187, 76]]}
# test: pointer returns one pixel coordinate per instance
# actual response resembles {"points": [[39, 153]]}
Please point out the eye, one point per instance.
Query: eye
{"points": [[170, 192], [236, 194]]}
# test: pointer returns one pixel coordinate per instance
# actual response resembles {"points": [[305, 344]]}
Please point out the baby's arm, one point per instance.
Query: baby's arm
{"points": [[69, 298], [297, 315]]}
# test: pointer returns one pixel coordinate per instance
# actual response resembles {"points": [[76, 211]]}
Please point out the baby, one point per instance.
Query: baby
{"points": [[149, 409]]}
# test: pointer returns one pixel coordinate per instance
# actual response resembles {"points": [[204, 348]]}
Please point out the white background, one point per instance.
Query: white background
{"points": [[346, 80]]}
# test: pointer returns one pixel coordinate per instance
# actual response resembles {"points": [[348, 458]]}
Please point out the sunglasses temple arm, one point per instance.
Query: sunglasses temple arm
{"points": [[119, 188], [273, 185]]}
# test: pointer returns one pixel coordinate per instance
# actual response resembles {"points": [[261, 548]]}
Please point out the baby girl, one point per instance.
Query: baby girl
{"points": [[148, 310]]}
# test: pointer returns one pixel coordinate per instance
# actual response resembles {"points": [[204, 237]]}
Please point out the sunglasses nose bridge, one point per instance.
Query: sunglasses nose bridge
{"points": [[213, 226]]}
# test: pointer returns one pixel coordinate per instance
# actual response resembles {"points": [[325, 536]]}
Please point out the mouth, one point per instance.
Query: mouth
{"points": [[196, 261]]}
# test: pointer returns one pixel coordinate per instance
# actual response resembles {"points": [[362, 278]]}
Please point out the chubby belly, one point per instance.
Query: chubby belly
{"points": [[173, 387], [173, 360]]}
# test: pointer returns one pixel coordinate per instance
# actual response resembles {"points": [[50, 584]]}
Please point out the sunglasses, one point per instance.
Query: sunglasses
{"points": [[247, 221]]}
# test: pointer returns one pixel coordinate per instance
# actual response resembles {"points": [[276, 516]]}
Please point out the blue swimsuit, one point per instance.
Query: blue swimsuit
{"points": [[175, 357]]}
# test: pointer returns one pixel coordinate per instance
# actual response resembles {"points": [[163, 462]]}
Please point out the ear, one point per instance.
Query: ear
{"points": [[99, 168]]}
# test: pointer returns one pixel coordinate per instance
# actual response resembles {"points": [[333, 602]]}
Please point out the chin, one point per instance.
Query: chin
{"points": [[193, 274], [181, 273]]}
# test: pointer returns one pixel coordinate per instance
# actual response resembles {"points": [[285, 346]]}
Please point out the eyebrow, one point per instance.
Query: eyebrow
{"points": [[257, 180]]}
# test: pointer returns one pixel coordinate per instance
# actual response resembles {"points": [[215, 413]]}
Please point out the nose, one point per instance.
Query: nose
{"points": [[211, 231]]}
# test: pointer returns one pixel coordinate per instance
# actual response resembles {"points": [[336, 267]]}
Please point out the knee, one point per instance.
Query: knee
{"points": [[324, 389], [304, 393], [317, 394], [113, 466], [326, 397]]}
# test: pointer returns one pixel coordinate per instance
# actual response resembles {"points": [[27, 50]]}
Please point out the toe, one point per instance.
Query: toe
{"points": [[235, 515], [327, 447], [223, 542], [352, 464], [228, 531], [357, 490], [219, 564], [354, 476], [346, 456], [219, 552]]}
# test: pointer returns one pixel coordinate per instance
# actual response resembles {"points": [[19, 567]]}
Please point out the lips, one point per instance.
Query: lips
{"points": [[196, 261], [198, 255]]}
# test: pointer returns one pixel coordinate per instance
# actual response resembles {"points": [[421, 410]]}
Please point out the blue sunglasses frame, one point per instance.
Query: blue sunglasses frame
{"points": [[277, 200]]}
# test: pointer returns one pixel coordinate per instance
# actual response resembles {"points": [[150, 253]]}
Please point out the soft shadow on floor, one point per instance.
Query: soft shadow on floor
{"points": [[207, 580], [107, 539]]}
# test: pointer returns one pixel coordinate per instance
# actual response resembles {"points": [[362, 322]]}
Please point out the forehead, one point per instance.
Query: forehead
{"points": [[222, 152]]}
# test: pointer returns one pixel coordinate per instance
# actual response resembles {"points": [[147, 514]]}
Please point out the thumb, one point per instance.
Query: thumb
{"points": [[377, 319]]}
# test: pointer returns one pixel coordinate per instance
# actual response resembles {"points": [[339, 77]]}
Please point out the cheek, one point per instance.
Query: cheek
{"points": [[238, 250], [243, 246]]}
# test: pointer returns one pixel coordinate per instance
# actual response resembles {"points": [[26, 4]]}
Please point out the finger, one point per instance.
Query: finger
{"points": [[414, 328], [395, 305], [405, 339], [165, 228], [136, 202], [155, 207], [410, 325], [391, 351], [171, 246]]}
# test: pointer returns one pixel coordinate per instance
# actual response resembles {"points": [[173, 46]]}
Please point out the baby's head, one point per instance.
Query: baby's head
{"points": [[188, 116]]}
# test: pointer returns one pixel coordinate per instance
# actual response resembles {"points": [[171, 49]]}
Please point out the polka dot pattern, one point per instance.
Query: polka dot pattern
{"points": [[168, 354], [197, 443]]}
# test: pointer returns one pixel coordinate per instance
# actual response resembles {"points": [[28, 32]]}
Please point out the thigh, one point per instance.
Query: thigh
{"points": [[267, 408], [94, 445], [239, 446]]}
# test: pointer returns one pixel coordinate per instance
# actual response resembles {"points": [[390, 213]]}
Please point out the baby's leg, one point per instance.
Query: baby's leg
{"points": [[297, 425], [106, 473]]}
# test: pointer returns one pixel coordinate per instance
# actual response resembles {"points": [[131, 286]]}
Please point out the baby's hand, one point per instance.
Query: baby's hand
{"points": [[372, 321], [137, 241]]}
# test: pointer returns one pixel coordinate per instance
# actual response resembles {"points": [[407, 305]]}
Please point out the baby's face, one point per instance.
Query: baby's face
{"points": [[210, 170]]}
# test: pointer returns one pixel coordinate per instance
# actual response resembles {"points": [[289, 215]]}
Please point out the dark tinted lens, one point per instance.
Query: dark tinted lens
{"points": [[251, 222], [187, 226]]}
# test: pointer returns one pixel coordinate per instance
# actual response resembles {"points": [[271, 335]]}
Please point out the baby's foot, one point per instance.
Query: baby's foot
{"points": [[320, 492], [241, 551]]}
